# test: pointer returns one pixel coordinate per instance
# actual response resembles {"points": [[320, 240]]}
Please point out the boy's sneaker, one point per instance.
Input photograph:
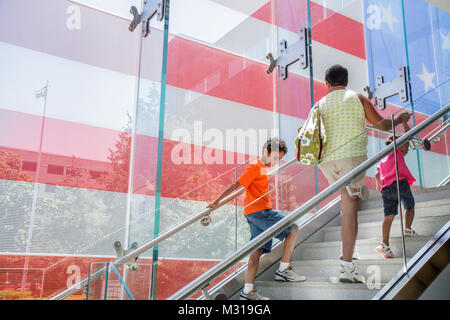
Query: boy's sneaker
{"points": [[252, 295], [349, 275], [288, 275], [384, 251]]}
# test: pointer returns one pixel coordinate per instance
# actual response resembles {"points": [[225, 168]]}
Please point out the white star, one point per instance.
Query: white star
{"points": [[445, 40], [427, 78], [388, 17]]}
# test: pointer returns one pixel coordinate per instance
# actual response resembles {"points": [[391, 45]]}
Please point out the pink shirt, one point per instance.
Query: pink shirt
{"points": [[386, 168]]}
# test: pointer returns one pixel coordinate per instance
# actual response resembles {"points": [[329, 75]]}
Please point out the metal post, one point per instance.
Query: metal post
{"points": [[41, 93], [105, 297], [236, 218], [398, 194]]}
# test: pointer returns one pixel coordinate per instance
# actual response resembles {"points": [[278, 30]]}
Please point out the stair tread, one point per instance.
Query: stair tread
{"points": [[375, 261], [395, 222], [315, 284], [418, 207], [366, 240]]}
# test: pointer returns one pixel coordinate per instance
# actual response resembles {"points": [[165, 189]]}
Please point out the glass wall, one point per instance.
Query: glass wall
{"points": [[68, 89], [107, 135]]}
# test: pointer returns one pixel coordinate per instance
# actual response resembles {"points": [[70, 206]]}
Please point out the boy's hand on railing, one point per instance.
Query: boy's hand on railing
{"points": [[213, 205]]}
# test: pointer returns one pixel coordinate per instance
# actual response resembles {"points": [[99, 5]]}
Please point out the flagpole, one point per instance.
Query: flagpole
{"points": [[35, 191]]}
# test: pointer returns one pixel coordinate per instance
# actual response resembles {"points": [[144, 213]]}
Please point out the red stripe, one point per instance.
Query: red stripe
{"points": [[90, 146], [173, 274], [332, 29], [207, 70]]}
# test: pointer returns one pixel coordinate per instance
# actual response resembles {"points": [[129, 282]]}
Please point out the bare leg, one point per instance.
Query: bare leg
{"points": [[409, 217], [386, 229], [253, 264], [349, 223], [289, 244]]}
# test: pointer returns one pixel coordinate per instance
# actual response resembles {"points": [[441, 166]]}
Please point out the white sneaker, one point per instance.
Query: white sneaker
{"points": [[252, 295], [349, 275], [288, 275]]}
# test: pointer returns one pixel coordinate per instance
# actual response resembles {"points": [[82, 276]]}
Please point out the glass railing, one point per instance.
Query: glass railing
{"points": [[403, 250]]}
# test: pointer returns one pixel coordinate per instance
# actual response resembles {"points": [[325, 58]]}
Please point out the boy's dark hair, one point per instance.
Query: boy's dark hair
{"points": [[337, 75], [275, 144], [390, 139]]}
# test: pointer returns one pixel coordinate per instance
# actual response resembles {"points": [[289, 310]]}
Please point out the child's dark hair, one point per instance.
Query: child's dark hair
{"points": [[275, 144], [337, 75]]}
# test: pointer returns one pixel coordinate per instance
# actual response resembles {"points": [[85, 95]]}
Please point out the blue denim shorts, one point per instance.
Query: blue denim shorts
{"points": [[390, 197], [262, 220]]}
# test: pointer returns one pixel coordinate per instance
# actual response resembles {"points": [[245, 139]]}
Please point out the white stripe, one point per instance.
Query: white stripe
{"points": [[352, 9]]}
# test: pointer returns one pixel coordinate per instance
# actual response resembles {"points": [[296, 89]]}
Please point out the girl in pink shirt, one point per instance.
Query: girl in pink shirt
{"points": [[387, 184]]}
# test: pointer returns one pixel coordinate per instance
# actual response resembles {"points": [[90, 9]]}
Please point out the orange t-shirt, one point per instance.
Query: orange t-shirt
{"points": [[256, 183]]}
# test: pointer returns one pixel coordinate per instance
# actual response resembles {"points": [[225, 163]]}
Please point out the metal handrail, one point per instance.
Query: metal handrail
{"points": [[147, 246], [204, 280], [444, 182]]}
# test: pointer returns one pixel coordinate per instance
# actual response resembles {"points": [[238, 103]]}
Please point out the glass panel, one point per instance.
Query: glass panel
{"points": [[386, 52], [68, 100], [365, 37], [429, 55], [120, 8], [129, 282], [216, 82]]}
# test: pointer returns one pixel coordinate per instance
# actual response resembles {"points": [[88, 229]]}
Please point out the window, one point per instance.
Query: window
{"points": [[55, 169], [29, 166], [94, 174]]}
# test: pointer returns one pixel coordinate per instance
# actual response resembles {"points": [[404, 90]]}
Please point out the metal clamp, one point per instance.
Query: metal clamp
{"points": [[132, 266], [289, 55], [151, 7], [386, 90], [416, 143], [205, 221]]}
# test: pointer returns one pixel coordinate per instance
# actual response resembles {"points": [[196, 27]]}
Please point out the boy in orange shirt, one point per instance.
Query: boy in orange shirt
{"points": [[260, 216]]}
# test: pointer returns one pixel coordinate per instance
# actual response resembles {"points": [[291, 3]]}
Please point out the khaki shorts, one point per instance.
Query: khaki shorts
{"points": [[335, 169]]}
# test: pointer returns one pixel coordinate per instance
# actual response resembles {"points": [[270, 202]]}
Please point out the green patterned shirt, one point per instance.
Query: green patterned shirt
{"points": [[345, 125]]}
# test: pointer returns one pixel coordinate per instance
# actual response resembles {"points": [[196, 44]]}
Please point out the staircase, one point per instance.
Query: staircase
{"points": [[318, 257]]}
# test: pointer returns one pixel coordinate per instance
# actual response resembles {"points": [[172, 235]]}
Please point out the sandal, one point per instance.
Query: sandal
{"points": [[410, 233], [384, 251], [362, 192]]}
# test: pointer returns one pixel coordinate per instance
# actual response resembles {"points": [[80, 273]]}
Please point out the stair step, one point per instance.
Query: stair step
{"points": [[365, 247], [424, 226], [310, 290], [383, 270], [422, 209]]}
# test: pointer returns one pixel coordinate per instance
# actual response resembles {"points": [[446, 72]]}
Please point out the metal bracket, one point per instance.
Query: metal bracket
{"points": [[206, 294], [151, 7], [386, 90], [289, 55], [416, 143], [132, 266], [205, 221], [441, 129]]}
